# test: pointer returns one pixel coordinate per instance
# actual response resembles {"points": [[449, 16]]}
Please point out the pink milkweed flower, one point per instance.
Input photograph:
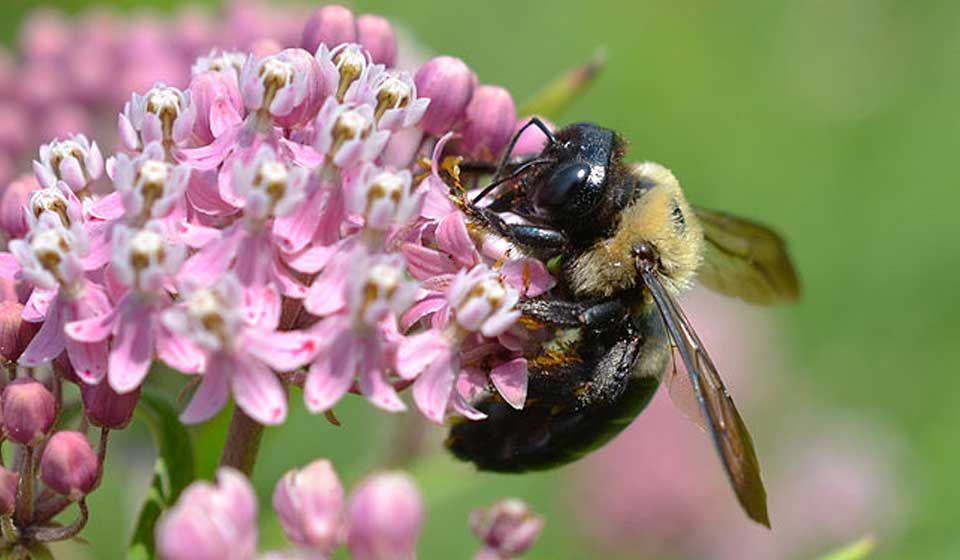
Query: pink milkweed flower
{"points": [[242, 348], [145, 263], [361, 339], [219, 104], [147, 187], [386, 514], [163, 114], [507, 528], [474, 301], [309, 503], [75, 160], [347, 135], [394, 95], [382, 198], [58, 201], [265, 188], [228, 62], [51, 259], [211, 522], [285, 86], [346, 70]]}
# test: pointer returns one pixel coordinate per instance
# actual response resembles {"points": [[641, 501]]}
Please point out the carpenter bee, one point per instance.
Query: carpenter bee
{"points": [[624, 243]]}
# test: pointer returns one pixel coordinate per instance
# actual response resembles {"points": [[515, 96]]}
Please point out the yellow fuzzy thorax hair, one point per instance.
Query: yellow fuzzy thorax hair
{"points": [[662, 217]]}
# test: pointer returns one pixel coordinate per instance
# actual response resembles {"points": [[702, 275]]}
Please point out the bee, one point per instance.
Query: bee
{"points": [[624, 243]]}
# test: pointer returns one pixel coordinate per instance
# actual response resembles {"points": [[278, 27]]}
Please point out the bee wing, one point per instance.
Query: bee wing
{"points": [[746, 260], [722, 420]]}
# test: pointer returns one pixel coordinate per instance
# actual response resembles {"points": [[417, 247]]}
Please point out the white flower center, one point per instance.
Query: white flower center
{"points": [[164, 102], [50, 247], [393, 93], [50, 200]]}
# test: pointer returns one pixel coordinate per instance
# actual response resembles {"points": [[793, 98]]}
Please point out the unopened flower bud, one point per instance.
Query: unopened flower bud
{"points": [[13, 220], [330, 25], [309, 504], [386, 514], [106, 408], [69, 466], [488, 123], [211, 522], [532, 140], [507, 528], [265, 47], [9, 480], [15, 333], [376, 35], [28, 411], [449, 83]]}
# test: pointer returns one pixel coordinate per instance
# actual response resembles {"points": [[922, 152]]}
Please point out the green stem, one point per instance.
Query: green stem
{"points": [[243, 443]]}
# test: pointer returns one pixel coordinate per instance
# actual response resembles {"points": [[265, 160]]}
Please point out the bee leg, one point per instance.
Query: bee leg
{"points": [[597, 316], [610, 377], [485, 167], [542, 243]]}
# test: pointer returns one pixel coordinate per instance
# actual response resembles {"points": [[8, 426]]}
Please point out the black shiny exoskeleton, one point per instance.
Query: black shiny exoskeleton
{"points": [[599, 362]]}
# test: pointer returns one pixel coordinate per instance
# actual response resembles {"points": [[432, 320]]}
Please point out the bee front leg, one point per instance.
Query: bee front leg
{"points": [[539, 242]]}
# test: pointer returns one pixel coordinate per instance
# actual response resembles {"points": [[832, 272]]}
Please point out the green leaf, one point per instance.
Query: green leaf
{"points": [[556, 96], [173, 471], [854, 551]]}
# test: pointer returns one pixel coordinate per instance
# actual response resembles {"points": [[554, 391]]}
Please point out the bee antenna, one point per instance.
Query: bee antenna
{"points": [[520, 171], [534, 121]]}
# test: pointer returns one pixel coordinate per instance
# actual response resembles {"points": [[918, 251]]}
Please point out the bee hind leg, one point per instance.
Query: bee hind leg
{"points": [[597, 316]]}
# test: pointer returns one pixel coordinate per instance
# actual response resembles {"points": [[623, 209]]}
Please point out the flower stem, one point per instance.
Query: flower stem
{"points": [[24, 508], [243, 443]]}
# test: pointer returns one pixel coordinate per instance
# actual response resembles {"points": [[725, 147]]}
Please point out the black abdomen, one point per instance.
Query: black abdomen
{"points": [[571, 409]]}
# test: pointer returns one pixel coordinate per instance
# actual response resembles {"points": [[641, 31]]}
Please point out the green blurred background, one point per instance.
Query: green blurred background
{"points": [[836, 121]]}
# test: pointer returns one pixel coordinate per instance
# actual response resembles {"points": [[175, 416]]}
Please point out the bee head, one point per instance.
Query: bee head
{"points": [[664, 232]]}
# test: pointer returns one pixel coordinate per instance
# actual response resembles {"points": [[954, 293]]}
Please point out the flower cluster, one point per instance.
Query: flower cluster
{"points": [[380, 520], [289, 218]]}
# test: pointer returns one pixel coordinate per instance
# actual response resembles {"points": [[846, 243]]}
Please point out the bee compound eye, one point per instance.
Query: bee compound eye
{"points": [[562, 186], [644, 253]]}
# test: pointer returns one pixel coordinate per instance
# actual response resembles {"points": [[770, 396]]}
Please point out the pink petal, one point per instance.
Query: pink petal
{"points": [[462, 407], [132, 350], [258, 391], [37, 305], [212, 393], [203, 194], [178, 352], [107, 208], [223, 116], [210, 263], [421, 309], [296, 229], [453, 238], [528, 276], [373, 383], [282, 350], [49, 341], [424, 263], [510, 379], [325, 385], [327, 294], [312, 259], [431, 391], [302, 155], [89, 359], [416, 352], [212, 155], [94, 329], [72, 173]]}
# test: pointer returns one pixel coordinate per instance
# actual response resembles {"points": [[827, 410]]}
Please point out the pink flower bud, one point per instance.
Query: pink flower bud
{"points": [[508, 528], [15, 333], [532, 140], [376, 35], [309, 504], [105, 408], [265, 47], [488, 122], [9, 481], [69, 466], [386, 514], [211, 522], [330, 25], [219, 106], [29, 410], [449, 83]]}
